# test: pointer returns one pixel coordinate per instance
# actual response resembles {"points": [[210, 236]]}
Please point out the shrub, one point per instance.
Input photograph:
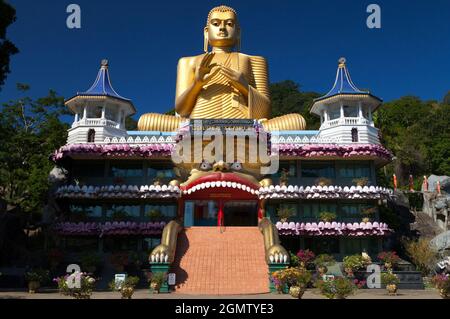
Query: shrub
{"points": [[338, 287], [85, 289], [40, 275], [324, 260], [354, 262], [421, 254], [305, 256], [323, 181], [389, 278], [389, 257]]}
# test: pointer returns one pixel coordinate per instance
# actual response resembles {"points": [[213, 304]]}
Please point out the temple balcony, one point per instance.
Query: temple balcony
{"points": [[347, 121], [96, 122]]}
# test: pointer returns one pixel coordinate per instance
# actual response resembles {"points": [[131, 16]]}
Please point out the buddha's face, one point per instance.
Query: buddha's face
{"points": [[222, 29]]}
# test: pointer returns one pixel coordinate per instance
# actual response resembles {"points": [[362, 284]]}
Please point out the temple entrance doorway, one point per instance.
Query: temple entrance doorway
{"points": [[241, 213], [221, 213]]}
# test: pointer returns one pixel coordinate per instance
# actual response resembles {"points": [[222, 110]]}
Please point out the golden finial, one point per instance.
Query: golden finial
{"points": [[104, 63], [341, 62]]}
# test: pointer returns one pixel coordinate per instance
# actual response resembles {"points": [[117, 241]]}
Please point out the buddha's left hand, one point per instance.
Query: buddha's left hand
{"points": [[237, 79]]}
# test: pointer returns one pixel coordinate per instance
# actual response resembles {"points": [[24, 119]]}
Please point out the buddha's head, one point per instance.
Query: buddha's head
{"points": [[222, 28]]}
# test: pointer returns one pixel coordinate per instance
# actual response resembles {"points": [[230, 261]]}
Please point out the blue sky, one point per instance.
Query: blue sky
{"points": [[302, 41]]}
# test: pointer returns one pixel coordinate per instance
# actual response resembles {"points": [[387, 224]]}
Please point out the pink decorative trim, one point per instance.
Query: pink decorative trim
{"points": [[324, 192], [109, 228], [119, 191], [114, 150], [334, 150], [334, 229]]}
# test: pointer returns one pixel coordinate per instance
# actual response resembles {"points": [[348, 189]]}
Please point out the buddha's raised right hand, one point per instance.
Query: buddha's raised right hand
{"points": [[205, 71]]}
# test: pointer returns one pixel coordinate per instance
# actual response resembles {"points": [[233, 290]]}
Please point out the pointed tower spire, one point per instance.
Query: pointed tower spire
{"points": [[344, 88], [102, 84]]}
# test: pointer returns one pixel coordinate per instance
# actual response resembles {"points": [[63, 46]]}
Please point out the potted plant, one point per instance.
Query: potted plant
{"points": [[389, 258], [35, 278], [322, 181], [336, 287], [78, 285], [278, 279], [284, 177], [327, 217], [304, 257], [361, 181], [367, 213], [442, 283], [391, 281], [156, 281], [126, 288], [353, 263], [322, 262], [297, 279], [159, 179], [284, 213]]}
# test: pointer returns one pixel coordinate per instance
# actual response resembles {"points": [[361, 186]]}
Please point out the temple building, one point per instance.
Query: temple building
{"points": [[216, 220]]}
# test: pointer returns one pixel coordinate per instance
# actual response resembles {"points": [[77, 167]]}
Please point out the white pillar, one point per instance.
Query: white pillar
{"points": [[85, 112], [76, 117], [325, 115], [103, 111], [360, 113], [342, 110]]}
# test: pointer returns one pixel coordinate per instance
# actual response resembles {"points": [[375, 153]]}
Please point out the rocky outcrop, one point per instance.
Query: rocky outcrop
{"points": [[436, 205]]}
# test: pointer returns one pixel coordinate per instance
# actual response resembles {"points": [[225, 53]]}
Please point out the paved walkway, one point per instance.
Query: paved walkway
{"points": [[145, 294]]}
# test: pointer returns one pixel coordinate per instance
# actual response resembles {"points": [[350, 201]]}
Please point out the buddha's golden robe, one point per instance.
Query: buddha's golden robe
{"points": [[218, 99]]}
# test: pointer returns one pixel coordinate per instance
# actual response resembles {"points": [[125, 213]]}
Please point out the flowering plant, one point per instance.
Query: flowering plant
{"points": [[389, 258], [337, 287], [305, 256], [279, 279], [78, 285], [359, 283], [324, 260], [442, 282], [389, 278], [354, 262]]}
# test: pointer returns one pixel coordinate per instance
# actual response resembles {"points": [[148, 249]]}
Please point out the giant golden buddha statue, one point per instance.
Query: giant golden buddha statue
{"points": [[223, 83]]}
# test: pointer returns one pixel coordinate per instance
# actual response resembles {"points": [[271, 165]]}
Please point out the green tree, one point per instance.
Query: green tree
{"points": [[287, 98], [418, 133], [7, 48], [446, 99], [30, 130]]}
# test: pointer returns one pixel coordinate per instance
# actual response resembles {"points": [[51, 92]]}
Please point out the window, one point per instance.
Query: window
{"points": [[84, 212], [313, 210], [160, 212], [94, 112], [317, 169], [289, 166], [160, 171], [91, 136], [126, 169], [111, 114], [88, 169], [334, 113], [123, 212], [350, 111], [323, 245], [355, 135], [354, 170]]}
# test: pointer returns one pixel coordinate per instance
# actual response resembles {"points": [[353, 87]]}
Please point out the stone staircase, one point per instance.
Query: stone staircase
{"points": [[209, 261]]}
